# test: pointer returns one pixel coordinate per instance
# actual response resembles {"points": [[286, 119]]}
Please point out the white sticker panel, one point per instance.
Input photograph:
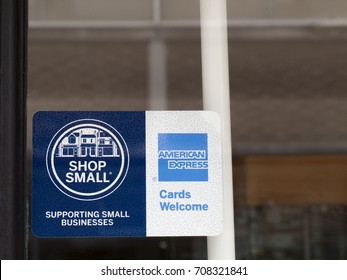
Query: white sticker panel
{"points": [[184, 173]]}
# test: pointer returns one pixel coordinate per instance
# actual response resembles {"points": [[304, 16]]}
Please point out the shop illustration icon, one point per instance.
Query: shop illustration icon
{"points": [[87, 159]]}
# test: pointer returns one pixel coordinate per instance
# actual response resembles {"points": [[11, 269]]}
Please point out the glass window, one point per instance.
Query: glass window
{"points": [[288, 78]]}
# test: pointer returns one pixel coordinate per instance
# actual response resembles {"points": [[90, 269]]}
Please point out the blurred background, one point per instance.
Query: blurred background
{"points": [[288, 89]]}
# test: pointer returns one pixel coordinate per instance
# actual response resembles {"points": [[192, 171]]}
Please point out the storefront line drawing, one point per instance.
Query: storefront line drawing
{"points": [[87, 142]]}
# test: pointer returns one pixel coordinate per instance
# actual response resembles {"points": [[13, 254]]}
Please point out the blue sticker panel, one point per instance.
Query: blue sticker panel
{"points": [[182, 157], [89, 174]]}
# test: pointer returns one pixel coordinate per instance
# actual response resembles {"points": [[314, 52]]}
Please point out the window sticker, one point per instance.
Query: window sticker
{"points": [[155, 173]]}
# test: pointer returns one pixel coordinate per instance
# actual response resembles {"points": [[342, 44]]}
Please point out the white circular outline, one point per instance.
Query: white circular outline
{"points": [[79, 193]]}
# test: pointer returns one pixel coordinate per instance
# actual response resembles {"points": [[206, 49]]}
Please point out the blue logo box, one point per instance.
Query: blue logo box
{"points": [[89, 171], [183, 157]]}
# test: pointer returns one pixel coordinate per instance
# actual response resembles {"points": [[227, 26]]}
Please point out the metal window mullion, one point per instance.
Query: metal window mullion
{"points": [[13, 18]]}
